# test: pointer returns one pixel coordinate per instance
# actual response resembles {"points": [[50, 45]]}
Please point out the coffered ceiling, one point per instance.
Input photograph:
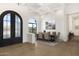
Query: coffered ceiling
{"points": [[46, 8]]}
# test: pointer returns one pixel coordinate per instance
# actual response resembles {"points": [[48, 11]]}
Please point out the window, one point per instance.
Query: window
{"points": [[6, 26], [17, 26], [32, 25]]}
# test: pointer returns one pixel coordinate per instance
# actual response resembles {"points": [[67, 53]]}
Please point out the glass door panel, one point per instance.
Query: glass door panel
{"points": [[6, 26], [17, 26]]}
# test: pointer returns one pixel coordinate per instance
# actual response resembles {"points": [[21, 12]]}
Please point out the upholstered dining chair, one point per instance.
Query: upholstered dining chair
{"points": [[40, 36], [57, 36], [47, 36]]}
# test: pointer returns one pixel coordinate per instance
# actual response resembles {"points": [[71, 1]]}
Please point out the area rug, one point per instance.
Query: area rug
{"points": [[47, 43]]}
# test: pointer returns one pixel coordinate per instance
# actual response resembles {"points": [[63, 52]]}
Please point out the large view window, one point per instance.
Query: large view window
{"points": [[32, 25]]}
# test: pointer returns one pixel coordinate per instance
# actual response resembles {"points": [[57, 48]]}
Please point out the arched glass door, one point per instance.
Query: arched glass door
{"points": [[11, 28]]}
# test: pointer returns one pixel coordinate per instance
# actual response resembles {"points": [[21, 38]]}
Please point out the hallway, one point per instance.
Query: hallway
{"points": [[62, 49]]}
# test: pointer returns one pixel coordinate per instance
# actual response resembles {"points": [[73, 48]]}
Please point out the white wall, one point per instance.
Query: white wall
{"points": [[61, 24], [70, 24], [72, 11], [47, 18]]}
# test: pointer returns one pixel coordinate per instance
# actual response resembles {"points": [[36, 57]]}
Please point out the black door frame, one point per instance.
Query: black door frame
{"points": [[13, 39]]}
